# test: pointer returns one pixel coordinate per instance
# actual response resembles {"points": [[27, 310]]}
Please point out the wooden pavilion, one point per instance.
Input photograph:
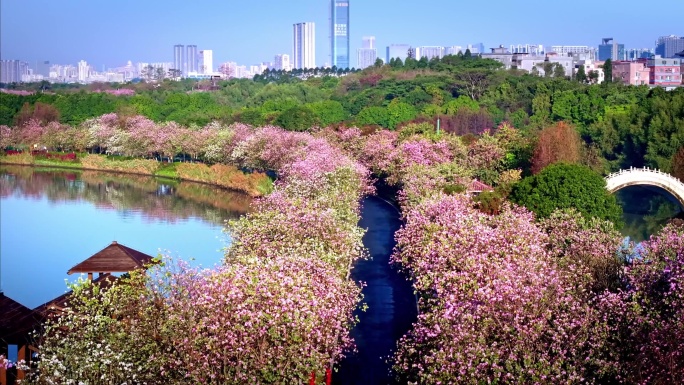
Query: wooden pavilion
{"points": [[18, 322], [475, 187], [115, 258]]}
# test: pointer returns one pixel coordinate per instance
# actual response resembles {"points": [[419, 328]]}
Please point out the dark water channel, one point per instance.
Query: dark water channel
{"points": [[391, 303], [646, 210]]}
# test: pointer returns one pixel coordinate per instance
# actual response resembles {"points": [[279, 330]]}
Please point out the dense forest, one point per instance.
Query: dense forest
{"points": [[620, 126]]}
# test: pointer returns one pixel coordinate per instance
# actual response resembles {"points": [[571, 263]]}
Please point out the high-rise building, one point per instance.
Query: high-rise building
{"points": [[669, 46], [477, 48], [367, 54], [178, 58], [429, 52], [339, 33], [43, 68], [639, 53], [11, 71], [368, 42], [397, 51], [282, 62], [228, 69], [83, 70], [453, 50], [207, 61], [304, 47], [191, 59], [610, 49]]}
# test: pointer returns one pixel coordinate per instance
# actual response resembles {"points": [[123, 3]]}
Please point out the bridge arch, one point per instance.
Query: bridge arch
{"points": [[646, 176]]}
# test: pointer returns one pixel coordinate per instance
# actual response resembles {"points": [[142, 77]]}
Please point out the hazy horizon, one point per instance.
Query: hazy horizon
{"points": [[110, 34]]}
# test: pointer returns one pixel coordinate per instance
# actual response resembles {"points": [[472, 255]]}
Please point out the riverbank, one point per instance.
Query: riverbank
{"points": [[255, 184]]}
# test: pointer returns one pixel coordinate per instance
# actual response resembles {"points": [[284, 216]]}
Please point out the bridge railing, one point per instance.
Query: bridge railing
{"points": [[643, 169]]}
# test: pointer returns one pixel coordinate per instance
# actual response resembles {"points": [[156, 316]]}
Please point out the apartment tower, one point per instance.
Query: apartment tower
{"points": [[178, 58], [191, 59], [304, 48], [367, 54]]}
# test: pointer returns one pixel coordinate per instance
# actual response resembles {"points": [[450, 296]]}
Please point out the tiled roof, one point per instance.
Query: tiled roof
{"points": [[113, 258], [59, 303], [16, 321], [477, 186]]}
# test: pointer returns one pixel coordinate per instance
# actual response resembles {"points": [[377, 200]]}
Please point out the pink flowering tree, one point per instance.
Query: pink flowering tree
{"points": [[377, 153], [32, 133], [284, 225], [140, 135], [348, 139], [647, 316], [590, 250], [101, 130], [8, 137], [271, 321], [494, 308]]}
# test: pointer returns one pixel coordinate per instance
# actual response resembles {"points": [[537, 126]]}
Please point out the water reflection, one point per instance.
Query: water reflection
{"points": [[51, 220], [646, 210], [129, 195]]}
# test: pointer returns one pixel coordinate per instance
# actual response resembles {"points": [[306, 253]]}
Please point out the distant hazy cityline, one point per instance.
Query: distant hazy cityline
{"points": [[191, 62]]}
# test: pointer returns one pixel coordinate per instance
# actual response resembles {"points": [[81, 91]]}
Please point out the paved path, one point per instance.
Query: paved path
{"points": [[390, 299]]}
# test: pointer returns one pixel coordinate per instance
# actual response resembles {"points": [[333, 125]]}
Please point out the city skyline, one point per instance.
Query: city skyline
{"points": [[140, 32]]}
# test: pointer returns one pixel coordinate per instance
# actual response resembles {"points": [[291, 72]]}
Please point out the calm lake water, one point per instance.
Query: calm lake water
{"points": [[646, 210], [50, 220]]}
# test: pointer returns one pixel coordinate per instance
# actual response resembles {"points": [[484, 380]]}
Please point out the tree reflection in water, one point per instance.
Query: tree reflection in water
{"points": [[646, 210], [154, 199]]}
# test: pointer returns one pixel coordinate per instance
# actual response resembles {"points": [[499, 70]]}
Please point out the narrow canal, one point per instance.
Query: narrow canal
{"points": [[391, 303]]}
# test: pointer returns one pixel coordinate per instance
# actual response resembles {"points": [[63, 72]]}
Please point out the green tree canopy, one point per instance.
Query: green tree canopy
{"points": [[328, 112], [298, 118], [608, 71], [564, 186]]}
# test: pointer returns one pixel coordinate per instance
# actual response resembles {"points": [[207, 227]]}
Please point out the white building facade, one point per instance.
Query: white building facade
{"points": [[304, 45]]}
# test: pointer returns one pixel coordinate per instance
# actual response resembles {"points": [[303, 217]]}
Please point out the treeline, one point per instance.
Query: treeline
{"points": [[621, 126]]}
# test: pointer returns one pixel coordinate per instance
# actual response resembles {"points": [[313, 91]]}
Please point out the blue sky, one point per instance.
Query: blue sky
{"points": [[249, 32]]}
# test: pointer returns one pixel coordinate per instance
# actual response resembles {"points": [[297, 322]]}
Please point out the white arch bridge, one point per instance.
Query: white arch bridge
{"points": [[646, 176]]}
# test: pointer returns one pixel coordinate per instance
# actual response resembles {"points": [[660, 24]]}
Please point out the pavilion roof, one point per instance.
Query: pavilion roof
{"points": [[113, 258], [477, 186], [16, 321], [59, 303]]}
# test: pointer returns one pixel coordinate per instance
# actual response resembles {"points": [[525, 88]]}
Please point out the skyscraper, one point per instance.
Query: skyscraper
{"points": [[304, 47], [367, 54], [609, 49], [669, 46], [339, 33], [191, 59], [178, 58], [206, 61]]}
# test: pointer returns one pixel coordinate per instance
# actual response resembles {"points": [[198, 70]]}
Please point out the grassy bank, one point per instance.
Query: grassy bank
{"points": [[254, 184]]}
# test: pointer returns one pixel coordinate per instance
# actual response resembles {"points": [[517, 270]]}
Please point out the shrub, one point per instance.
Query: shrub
{"points": [[564, 186]]}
